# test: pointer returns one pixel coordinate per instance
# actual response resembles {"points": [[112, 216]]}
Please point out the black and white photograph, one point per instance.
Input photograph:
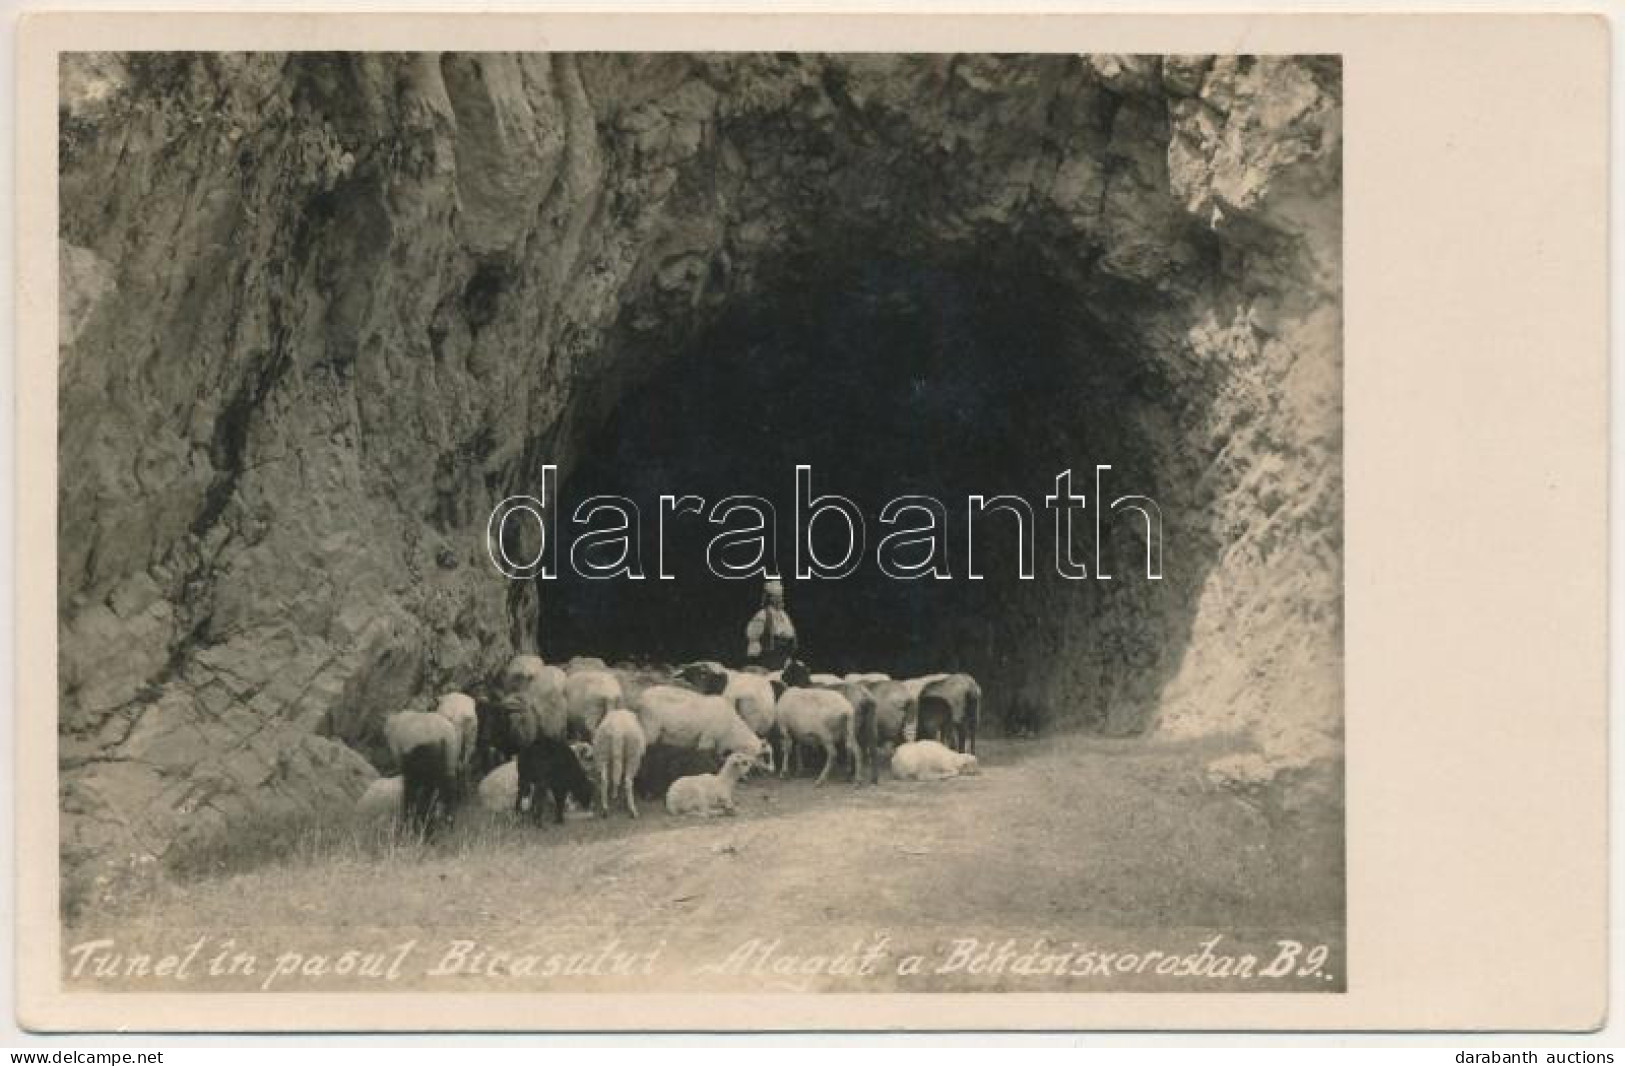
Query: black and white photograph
{"points": [[700, 521]]}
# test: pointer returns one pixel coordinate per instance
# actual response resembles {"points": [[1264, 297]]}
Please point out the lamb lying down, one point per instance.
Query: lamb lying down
{"points": [[926, 760], [708, 794]]}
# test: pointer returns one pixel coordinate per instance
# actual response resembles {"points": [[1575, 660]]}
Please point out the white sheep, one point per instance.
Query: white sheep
{"points": [[708, 794], [589, 694], [618, 747], [926, 760], [683, 718], [533, 694], [819, 717], [867, 679]]}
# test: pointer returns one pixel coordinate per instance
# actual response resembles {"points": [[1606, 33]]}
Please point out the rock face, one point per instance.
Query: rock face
{"points": [[320, 311]]}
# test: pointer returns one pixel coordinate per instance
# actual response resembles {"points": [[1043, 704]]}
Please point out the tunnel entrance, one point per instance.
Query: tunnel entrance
{"points": [[893, 377]]}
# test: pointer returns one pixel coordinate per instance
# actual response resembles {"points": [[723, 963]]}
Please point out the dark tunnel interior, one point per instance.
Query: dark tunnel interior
{"points": [[897, 378]]}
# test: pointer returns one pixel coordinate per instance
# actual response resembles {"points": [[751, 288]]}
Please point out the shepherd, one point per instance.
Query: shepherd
{"points": [[770, 636]]}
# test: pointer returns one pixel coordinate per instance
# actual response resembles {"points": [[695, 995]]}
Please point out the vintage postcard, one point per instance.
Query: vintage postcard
{"points": [[581, 514]]}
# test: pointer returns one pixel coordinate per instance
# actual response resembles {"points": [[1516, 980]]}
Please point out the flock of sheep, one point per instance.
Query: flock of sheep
{"points": [[571, 734]]}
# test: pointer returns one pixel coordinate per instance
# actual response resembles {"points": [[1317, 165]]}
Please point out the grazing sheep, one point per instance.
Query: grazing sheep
{"points": [[533, 697], [825, 680], [750, 691], [883, 723], [949, 709], [865, 730], [551, 766], [866, 679], [708, 794], [520, 670], [682, 718], [588, 696], [926, 760], [820, 717], [383, 797], [428, 789], [491, 726], [618, 747], [461, 711], [426, 748], [584, 662]]}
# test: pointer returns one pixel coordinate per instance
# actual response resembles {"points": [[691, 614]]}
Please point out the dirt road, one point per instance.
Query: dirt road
{"points": [[1097, 862]]}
